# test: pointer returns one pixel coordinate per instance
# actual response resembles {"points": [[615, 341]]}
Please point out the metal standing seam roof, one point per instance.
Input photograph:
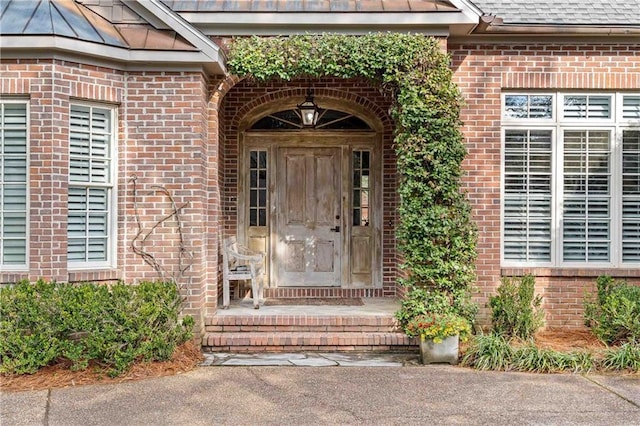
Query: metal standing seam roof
{"points": [[566, 12], [538, 12], [56, 17], [310, 6], [67, 18]]}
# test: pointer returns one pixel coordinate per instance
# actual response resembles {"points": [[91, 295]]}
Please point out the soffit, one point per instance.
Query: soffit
{"points": [[281, 17]]}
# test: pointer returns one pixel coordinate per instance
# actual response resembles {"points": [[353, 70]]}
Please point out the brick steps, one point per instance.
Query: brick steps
{"points": [[296, 341], [303, 333]]}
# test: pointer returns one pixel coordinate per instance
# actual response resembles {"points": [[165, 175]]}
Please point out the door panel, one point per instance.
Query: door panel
{"points": [[308, 248]]}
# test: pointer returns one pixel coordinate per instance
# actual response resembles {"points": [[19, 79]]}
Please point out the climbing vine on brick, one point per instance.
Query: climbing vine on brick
{"points": [[435, 233]]}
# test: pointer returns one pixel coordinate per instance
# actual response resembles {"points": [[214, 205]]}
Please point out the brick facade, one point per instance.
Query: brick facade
{"points": [[179, 131], [163, 141], [483, 71]]}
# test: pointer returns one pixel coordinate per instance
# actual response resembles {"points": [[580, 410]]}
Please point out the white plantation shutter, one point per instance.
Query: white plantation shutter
{"points": [[527, 195], [571, 180], [587, 196], [631, 195], [631, 107], [13, 183], [90, 184]]}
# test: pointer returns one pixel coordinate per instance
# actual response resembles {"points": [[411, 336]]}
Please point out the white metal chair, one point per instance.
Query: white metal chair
{"points": [[240, 264]]}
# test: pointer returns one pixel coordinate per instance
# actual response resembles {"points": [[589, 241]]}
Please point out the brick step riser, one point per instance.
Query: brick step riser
{"points": [[381, 323], [307, 341], [311, 348], [299, 328]]}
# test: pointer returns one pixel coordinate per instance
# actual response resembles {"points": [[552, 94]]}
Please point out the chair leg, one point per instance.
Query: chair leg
{"points": [[261, 287], [255, 293], [225, 294]]}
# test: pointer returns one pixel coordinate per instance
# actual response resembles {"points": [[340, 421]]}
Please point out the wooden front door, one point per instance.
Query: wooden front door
{"points": [[308, 235]]}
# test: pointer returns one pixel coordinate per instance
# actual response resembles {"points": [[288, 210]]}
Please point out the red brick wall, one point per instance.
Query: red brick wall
{"points": [[163, 140], [49, 85], [482, 71], [180, 131]]}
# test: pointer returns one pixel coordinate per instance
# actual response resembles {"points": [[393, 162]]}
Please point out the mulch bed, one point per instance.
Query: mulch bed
{"points": [[326, 301], [185, 358], [188, 356], [567, 341]]}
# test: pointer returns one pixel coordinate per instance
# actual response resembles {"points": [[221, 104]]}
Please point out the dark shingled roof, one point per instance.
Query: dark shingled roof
{"points": [[566, 12]]}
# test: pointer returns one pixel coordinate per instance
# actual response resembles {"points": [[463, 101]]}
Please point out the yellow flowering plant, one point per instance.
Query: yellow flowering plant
{"points": [[437, 327]]}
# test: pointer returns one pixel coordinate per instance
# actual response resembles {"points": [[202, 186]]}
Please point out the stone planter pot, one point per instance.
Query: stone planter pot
{"points": [[445, 351]]}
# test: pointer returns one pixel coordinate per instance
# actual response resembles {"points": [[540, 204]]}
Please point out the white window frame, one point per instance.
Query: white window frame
{"points": [[112, 197], [22, 267], [615, 125]]}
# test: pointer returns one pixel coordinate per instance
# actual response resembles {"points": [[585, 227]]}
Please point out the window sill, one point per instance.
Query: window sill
{"points": [[571, 272], [106, 274], [13, 276]]}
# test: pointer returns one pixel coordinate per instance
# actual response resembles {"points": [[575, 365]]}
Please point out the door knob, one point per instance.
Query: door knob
{"points": [[335, 229]]}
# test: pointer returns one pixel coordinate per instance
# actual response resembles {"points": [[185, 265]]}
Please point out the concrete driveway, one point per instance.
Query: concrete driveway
{"points": [[408, 395]]}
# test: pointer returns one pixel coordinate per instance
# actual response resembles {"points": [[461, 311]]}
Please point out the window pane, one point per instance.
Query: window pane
{"points": [[527, 202], [631, 196], [360, 161], [14, 251], [631, 107], [258, 188], [13, 183], [76, 250], [97, 249], [582, 106], [528, 106], [587, 196]]}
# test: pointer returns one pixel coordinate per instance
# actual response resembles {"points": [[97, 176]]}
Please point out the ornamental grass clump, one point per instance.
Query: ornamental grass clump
{"points": [[437, 327]]}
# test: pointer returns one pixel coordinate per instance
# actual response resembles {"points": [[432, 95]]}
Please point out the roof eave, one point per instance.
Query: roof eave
{"points": [[20, 46], [156, 11], [280, 23]]}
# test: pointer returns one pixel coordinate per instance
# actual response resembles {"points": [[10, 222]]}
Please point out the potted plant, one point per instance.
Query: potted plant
{"points": [[440, 334]]}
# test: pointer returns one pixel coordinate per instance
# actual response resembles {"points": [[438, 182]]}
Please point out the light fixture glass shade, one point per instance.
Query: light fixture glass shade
{"points": [[309, 111]]}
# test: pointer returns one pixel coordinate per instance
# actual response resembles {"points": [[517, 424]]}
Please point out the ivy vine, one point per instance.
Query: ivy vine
{"points": [[436, 235]]}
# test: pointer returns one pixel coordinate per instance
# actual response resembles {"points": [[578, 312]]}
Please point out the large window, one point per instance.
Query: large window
{"points": [[91, 203], [13, 184], [571, 179]]}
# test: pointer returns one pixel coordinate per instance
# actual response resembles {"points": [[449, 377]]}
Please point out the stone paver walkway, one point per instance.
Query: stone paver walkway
{"points": [[310, 359]]}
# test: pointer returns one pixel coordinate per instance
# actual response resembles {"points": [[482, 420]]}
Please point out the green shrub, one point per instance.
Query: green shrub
{"points": [[614, 314], [516, 312], [46, 321], [421, 301]]}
